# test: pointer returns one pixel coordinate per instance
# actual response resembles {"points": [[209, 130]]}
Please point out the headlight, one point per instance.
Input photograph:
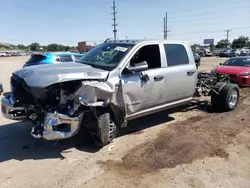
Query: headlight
{"points": [[244, 74]]}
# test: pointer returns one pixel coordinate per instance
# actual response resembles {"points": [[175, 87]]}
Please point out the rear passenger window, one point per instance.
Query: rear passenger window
{"points": [[66, 58], [176, 54]]}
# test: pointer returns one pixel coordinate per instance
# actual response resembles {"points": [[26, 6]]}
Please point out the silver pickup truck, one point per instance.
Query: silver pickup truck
{"points": [[115, 82]]}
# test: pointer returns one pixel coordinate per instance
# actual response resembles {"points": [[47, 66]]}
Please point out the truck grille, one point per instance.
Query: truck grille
{"points": [[20, 90]]}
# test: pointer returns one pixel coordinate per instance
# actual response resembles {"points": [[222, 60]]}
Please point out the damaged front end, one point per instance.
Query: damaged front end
{"points": [[57, 126], [58, 111]]}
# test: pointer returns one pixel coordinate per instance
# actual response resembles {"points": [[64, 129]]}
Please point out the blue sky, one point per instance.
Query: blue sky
{"points": [[68, 22]]}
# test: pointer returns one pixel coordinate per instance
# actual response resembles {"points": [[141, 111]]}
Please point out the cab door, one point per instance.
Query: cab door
{"points": [[144, 90], [180, 72]]}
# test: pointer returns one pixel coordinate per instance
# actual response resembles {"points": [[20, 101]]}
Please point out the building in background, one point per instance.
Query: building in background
{"points": [[85, 46]]}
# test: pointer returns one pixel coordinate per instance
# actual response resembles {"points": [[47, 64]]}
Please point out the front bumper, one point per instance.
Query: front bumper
{"points": [[241, 80], [11, 109], [52, 126]]}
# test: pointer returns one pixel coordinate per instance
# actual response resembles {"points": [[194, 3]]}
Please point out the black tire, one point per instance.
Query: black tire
{"points": [[223, 101], [106, 130]]}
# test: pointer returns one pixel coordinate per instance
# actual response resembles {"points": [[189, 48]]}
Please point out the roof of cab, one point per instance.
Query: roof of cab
{"points": [[137, 41], [57, 53]]}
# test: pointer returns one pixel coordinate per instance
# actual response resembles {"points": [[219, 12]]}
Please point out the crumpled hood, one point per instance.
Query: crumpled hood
{"points": [[231, 69], [45, 75]]}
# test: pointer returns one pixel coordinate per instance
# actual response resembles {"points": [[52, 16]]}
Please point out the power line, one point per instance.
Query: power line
{"points": [[208, 23], [210, 31], [210, 6], [214, 15], [114, 19]]}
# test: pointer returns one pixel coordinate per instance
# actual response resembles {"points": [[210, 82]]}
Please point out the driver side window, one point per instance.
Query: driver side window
{"points": [[148, 53]]}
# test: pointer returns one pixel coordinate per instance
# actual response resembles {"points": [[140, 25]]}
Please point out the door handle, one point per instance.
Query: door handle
{"points": [[191, 72], [158, 78]]}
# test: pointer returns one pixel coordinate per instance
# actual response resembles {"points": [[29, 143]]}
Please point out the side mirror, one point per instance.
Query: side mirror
{"points": [[220, 63], [137, 67]]}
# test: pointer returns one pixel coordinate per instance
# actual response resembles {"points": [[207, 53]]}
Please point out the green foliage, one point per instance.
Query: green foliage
{"points": [[212, 47], [241, 42], [34, 46], [224, 43]]}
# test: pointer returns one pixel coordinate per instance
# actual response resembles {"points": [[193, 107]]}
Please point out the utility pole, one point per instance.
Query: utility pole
{"points": [[165, 20], [164, 28], [227, 31], [114, 19]]}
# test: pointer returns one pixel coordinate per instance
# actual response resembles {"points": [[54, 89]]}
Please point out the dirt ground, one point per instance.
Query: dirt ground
{"points": [[190, 147]]}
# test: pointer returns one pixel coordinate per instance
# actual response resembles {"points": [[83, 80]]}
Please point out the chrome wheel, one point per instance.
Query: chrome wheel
{"points": [[233, 98], [112, 130]]}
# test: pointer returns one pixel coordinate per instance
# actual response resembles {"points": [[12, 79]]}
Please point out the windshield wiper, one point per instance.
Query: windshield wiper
{"points": [[95, 66]]}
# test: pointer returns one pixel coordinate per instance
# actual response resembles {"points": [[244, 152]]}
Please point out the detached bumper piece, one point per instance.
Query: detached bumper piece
{"points": [[57, 126], [11, 109]]}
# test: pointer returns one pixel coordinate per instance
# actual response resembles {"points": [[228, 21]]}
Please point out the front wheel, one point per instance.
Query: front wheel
{"points": [[106, 130]]}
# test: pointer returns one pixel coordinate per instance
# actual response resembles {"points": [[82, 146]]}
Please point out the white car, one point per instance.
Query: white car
{"points": [[3, 54]]}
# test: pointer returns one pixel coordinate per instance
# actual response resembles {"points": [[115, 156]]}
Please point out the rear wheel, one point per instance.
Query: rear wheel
{"points": [[228, 97]]}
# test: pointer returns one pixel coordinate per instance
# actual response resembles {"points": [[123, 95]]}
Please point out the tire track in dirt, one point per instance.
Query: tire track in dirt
{"points": [[206, 135]]}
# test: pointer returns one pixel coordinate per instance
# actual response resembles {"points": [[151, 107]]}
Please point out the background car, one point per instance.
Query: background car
{"points": [[244, 52], [52, 58], [3, 54], [238, 68], [234, 53], [197, 59], [225, 53]]}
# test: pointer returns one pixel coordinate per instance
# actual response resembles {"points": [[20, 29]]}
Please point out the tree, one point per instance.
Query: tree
{"points": [[21, 46], [67, 48], [53, 47], [212, 47], [34, 46], [224, 43], [241, 42]]}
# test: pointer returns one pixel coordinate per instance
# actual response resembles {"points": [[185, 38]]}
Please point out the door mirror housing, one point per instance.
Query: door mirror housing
{"points": [[220, 63], [137, 67]]}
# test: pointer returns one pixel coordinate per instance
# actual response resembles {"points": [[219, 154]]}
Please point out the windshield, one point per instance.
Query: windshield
{"points": [[106, 55], [245, 62]]}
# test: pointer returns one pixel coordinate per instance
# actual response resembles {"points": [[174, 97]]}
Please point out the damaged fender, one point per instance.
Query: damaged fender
{"points": [[102, 94]]}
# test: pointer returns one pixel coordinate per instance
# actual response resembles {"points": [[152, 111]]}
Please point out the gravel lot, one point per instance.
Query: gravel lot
{"points": [[192, 147]]}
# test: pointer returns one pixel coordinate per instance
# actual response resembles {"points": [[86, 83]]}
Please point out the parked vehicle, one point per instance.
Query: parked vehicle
{"points": [[51, 58], [234, 53], [238, 68], [3, 54], [244, 52], [1, 88], [225, 53], [113, 83], [197, 59], [208, 53], [202, 53]]}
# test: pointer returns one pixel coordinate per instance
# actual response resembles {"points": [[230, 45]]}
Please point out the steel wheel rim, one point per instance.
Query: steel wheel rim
{"points": [[112, 130], [233, 98]]}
